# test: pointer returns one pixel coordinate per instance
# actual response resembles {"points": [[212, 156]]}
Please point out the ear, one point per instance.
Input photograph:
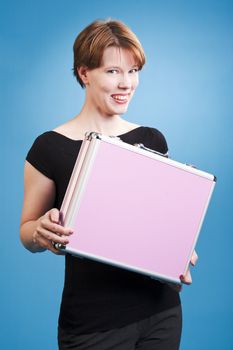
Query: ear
{"points": [[82, 72]]}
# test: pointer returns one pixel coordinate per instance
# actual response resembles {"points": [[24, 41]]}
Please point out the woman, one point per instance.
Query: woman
{"points": [[102, 306]]}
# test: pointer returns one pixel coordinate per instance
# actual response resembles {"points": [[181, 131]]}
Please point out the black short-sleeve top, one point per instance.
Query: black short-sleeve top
{"points": [[97, 296]]}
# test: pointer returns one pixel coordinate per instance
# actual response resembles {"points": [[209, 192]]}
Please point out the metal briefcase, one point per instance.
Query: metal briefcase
{"points": [[133, 208]]}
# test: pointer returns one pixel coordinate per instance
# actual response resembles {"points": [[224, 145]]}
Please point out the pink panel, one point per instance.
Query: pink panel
{"points": [[140, 211]]}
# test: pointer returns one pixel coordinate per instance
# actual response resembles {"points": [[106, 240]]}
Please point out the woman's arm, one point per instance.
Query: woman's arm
{"points": [[39, 226]]}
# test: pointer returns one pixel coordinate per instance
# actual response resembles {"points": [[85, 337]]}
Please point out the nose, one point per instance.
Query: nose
{"points": [[124, 81]]}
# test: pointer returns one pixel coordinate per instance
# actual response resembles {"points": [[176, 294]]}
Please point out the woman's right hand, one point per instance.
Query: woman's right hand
{"points": [[49, 231]]}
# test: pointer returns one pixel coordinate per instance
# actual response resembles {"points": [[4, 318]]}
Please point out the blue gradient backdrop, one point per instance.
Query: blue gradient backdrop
{"points": [[185, 91]]}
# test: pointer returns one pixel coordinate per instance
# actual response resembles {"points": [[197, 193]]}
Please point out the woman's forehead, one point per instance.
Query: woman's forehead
{"points": [[116, 56]]}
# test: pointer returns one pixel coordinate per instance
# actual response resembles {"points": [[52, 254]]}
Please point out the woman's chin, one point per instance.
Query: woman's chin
{"points": [[121, 109]]}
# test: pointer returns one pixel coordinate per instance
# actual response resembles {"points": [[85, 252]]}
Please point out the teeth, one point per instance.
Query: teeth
{"points": [[120, 97]]}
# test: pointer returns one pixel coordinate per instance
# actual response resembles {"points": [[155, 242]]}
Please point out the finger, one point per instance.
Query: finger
{"points": [[187, 278], [49, 246], [50, 236], [46, 244], [54, 215], [40, 240], [194, 258], [56, 228]]}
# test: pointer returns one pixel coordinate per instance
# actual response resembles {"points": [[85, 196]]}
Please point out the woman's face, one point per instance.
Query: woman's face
{"points": [[111, 86]]}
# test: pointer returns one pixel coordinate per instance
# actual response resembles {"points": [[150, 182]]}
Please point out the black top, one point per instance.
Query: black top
{"points": [[97, 296]]}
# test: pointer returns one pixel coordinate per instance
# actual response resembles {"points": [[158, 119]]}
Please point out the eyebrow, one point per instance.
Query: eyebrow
{"points": [[113, 66]]}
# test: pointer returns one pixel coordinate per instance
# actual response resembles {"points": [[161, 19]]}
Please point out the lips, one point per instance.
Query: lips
{"points": [[120, 98]]}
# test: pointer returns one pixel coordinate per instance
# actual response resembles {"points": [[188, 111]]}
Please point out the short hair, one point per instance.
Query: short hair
{"points": [[89, 45]]}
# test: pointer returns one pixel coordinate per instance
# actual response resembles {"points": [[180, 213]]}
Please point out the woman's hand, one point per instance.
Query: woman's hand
{"points": [[48, 231], [187, 278], [40, 225]]}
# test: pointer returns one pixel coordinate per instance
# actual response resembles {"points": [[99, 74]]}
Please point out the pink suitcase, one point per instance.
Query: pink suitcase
{"points": [[133, 208]]}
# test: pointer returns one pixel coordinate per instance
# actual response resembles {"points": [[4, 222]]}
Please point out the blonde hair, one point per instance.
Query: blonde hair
{"points": [[90, 44]]}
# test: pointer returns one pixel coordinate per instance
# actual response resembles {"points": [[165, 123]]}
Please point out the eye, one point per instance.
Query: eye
{"points": [[134, 70], [112, 71]]}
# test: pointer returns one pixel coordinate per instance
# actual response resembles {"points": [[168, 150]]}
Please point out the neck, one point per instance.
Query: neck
{"points": [[89, 119]]}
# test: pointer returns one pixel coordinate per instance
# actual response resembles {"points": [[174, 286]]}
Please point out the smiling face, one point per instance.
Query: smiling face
{"points": [[110, 87]]}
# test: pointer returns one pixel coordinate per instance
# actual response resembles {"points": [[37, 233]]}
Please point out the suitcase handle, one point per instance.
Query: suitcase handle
{"points": [[94, 134], [140, 145]]}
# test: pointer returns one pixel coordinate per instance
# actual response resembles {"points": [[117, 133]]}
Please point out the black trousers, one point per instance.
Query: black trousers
{"points": [[158, 332]]}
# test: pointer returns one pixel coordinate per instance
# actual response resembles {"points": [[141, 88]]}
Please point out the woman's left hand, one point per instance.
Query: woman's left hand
{"points": [[187, 278]]}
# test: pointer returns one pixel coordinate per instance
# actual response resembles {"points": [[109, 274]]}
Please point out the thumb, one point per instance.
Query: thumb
{"points": [[54, 215], [187, 278]]}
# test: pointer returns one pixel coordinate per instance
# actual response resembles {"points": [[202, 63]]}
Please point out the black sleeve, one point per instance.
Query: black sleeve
{"points": [[40, 156], [157, 141]]}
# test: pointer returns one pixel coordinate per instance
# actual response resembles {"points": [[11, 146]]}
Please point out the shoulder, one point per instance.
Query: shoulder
{"points": [[40, 155], [155, 139], [43, 139], [155, 132], [48, 141], [44, 144]]}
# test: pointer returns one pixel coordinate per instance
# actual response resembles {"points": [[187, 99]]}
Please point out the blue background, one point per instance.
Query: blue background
{"points": [[185, 91]]}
